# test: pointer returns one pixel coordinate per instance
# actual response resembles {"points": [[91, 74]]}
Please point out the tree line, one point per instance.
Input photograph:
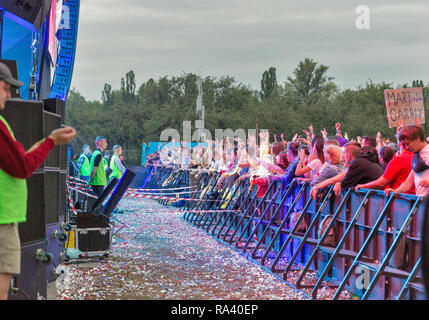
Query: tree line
{"points": [[132, 115]]}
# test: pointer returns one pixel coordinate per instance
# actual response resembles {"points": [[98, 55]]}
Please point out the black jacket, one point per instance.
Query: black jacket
{"points": [[363, 169]]}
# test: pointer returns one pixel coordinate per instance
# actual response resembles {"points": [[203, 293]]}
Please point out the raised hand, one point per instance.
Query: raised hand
{"points": [[63, 135], [295, 137], [337, 126]]}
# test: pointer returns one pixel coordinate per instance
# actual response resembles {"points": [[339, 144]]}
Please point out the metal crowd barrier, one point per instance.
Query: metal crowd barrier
{"points": [[368, 243]]}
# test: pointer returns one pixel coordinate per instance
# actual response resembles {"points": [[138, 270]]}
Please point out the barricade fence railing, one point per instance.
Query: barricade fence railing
{"points": [[361, 241]]}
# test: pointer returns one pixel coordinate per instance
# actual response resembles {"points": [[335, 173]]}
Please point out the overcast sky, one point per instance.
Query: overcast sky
{"points": [[243, 38]]}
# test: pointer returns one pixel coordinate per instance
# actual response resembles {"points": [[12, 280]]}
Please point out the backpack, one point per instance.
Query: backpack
{"points": [[330, 237], [302, 225]]}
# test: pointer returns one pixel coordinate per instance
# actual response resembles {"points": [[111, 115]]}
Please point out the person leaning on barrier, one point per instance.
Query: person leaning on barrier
{"points": [[293, 159], [313, 166], [16, 165], [363, 169], [395, 173], [351, 151], [330, 168], [83, 163], [97, 166], [385, 154], [412, 138], [115, 163]]}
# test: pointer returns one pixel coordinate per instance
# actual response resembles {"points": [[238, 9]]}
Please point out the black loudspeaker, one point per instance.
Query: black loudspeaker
{"points": [[11, 64], [34, 228], [62, 204], [32, 11], [26, 120], [52, 196], [31, 123], [52, 121], [58, 107]]}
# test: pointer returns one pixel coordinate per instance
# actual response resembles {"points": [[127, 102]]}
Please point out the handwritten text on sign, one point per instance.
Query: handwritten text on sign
{"points": [[404, 104]]}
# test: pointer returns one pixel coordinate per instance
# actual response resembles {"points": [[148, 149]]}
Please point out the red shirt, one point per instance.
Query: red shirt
{"points": [[13, 159], [398, 170]]}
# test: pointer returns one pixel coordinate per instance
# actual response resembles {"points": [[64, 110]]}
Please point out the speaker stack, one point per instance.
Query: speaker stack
{"points": [[42, 237], [31, 13]]}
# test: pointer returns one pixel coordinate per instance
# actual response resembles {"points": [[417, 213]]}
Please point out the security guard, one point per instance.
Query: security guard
{"points": [[97, 166], [116, 165], [83, 163]]}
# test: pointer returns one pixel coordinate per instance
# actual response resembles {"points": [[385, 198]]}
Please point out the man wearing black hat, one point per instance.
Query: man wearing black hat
{"points": [[16, 165]]}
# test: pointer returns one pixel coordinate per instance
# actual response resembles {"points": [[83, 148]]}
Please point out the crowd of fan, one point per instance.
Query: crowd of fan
{"points": [[321, 160]]}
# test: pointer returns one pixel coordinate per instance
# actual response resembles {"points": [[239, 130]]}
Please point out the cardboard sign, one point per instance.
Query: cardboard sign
{"points": [[404, 104]]}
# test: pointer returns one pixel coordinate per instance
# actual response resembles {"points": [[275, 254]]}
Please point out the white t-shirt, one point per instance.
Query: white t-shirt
{"points": [[315, 166], [420, 190]]}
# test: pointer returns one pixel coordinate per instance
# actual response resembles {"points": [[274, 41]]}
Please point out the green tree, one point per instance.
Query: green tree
{"points": [[106, 95], [268, 83], [128, 87], [309, 81]]}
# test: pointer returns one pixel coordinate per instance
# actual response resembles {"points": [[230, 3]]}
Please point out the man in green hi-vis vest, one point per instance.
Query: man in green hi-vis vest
{"points": [[17, 165], [97, 166], [83, 163], [116, 165]]}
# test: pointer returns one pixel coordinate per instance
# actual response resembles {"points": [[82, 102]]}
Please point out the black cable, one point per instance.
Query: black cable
{"points": [[23, 293], [16, 290]]}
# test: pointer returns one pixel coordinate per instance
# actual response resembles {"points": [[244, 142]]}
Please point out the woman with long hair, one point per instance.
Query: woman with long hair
{"points": [[313, 166]]}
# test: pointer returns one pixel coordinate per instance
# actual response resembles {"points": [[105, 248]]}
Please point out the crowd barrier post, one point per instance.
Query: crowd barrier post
{"points": [[334, 251], [242, 190], [338, 251], [237, 214], [193, 206], [259, 220], [280, 230], [234, 238], [303, 239], [231, 204], [409, 282], [252, 216], [378, 268], [217, 203], [291, 188], [198, 205], [214, 215], [382, 268]]}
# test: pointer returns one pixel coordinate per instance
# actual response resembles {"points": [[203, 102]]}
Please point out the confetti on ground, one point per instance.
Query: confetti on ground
{"points": [[158, 255]]}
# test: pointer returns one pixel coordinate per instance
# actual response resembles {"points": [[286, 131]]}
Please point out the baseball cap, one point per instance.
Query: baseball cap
{"points": [[6, 75]]}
